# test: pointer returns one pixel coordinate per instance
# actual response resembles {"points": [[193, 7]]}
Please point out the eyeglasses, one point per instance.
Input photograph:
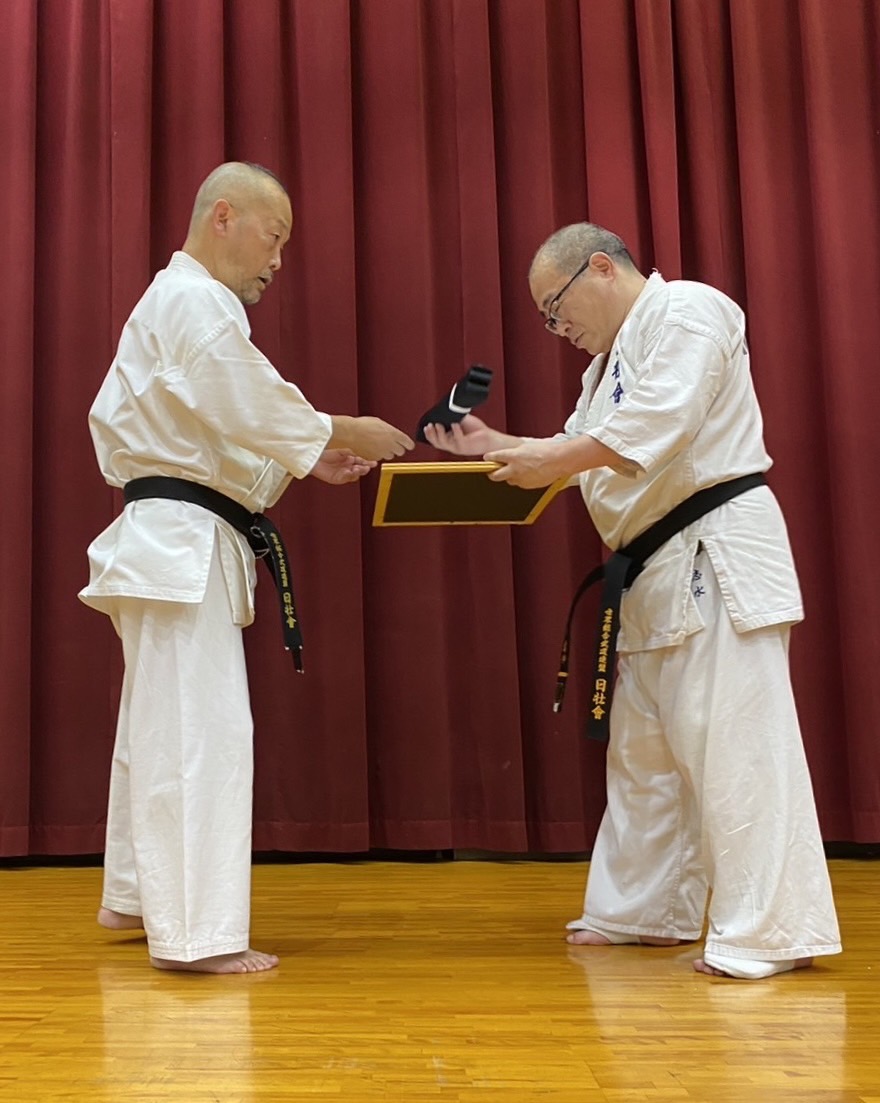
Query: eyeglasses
{"points": [[553, 319]]}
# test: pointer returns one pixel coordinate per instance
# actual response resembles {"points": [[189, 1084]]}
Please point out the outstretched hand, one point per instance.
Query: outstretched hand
{"points": [[339, 465], [468, 437], [379, 440]]}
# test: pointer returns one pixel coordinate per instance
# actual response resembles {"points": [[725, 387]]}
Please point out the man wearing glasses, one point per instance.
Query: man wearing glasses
{"points": [[708, 788]]}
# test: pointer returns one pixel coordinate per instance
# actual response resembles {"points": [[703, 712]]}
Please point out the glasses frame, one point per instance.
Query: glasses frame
{"points": [[552, 320]]}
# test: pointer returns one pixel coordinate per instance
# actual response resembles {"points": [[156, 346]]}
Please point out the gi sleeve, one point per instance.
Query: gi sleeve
{"points": [[662, 413], [226, 382]]}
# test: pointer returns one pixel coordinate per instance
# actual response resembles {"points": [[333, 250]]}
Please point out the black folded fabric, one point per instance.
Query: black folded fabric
{"points": [[470, 391]]}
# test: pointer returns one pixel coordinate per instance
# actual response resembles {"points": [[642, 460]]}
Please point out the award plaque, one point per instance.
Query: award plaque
{"points": [[453, 493]]}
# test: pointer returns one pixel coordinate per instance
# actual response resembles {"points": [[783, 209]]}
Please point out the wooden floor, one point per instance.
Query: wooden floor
{"points": [[412, 982]]}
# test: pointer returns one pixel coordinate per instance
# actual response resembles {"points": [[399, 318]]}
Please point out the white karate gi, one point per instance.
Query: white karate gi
{"points": [[707, 782], [188, 395]]}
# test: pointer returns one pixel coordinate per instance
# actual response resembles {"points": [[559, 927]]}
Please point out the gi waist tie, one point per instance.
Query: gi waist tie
{"points": [[619, 572], [258, 530]]}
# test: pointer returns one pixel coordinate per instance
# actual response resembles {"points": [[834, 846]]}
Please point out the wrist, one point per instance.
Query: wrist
{"points": [[577, 456], [342, 431], [583, 453], [506, 440]]}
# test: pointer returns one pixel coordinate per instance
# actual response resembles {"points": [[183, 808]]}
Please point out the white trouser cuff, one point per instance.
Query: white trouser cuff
{"points": [[616, 938], [743, 968]]}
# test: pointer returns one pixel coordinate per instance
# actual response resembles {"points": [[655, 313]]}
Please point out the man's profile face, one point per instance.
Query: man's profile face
{"points": [[585, 313], [255, 232]]}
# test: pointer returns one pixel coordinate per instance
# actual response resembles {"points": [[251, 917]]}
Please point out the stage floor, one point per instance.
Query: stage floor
{"points": [[423, 982]]}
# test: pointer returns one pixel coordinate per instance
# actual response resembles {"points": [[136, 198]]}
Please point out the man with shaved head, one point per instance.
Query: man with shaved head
{"points": [[707, 783], [203, 434]]}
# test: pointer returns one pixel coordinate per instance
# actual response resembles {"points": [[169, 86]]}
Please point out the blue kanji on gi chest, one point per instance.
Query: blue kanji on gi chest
{"points": [[617, 393], [615, 371]]}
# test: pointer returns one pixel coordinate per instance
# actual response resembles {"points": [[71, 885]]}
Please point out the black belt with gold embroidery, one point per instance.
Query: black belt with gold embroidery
{"points": [[619, 572], [258, 530]]}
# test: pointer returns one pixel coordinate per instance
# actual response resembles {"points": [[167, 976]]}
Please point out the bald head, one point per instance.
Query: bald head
{"points": [[237, 182], [241, 220]]}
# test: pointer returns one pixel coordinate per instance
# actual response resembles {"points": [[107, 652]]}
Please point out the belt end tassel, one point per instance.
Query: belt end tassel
{"points": [[561, 678], [562, 674]]}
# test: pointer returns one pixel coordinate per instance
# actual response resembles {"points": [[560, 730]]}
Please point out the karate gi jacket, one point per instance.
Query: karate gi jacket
{"points": [[674, 398], [189, 395]]}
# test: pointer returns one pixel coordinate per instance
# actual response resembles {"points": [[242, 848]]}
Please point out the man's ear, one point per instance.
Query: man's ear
{"points": [[602, 263], [221, 216]]}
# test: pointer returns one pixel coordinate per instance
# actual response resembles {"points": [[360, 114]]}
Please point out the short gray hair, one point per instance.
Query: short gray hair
{"points": [[568, 248]]}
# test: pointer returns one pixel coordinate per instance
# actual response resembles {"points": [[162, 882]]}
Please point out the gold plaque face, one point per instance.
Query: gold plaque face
{"points": [[452, 493]]}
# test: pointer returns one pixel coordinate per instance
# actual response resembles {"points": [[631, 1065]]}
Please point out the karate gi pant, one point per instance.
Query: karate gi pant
{"points": [[709, 791], [178, 848]]}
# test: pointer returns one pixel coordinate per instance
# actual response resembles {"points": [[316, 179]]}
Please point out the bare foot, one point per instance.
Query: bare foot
{"points": [[770, 969], [593, 938], [118, 921], [248, 961]]}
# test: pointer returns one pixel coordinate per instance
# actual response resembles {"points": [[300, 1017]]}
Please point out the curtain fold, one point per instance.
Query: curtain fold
{"points": [[17, 286], [429, 148]]}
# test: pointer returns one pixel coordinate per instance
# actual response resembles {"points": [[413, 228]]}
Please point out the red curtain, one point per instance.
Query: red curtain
{"points": [[429, 148]]}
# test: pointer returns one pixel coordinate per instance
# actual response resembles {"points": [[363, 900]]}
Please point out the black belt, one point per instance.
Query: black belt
{"points": [[619, 572], [259, 531]]}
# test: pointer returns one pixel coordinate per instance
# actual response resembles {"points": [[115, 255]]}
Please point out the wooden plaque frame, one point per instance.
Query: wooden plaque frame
{"points": [[454, 493]]}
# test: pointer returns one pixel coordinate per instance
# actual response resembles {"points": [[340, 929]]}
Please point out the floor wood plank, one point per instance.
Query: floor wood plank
{"points": [[421, 982]]}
